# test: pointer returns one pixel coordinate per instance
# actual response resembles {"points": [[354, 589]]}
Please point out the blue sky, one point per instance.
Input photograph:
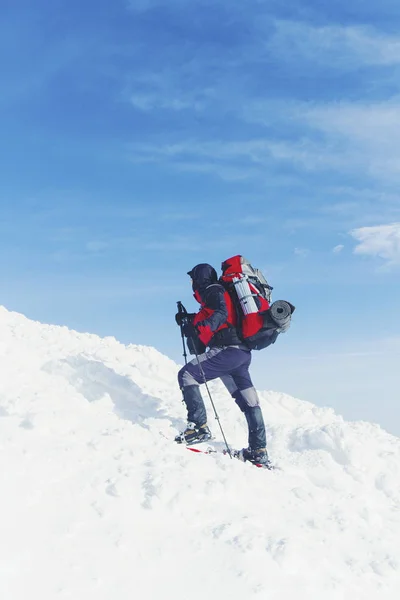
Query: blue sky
{"points": [[140, 138]]}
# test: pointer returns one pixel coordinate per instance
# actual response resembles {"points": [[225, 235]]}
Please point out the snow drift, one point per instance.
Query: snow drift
{"points": [[98, 503]]}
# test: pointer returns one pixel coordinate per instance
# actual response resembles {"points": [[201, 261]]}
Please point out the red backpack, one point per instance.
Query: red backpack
{"points": [[259, 321]]}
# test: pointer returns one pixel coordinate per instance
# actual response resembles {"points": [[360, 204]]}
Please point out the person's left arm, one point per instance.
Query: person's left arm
{"points": [[215, 300]]}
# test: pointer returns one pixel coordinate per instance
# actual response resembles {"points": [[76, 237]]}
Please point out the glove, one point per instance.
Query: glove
{"points": [[179, 318], [182, 318]]}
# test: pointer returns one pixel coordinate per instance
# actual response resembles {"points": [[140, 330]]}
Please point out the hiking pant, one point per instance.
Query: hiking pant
{"points": [[231, 365]]}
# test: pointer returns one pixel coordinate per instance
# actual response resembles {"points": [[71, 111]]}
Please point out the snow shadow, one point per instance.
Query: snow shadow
{"points": [[93, 379]]}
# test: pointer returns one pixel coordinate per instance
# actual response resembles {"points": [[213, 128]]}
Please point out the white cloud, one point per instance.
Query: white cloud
{"points": [[177, 88], [339, 149], [302, 252], [232, 161], [142, 102], [361, 138], [96, 246], [345, 137], [250, 156], [338, 249], [382, 241], [151, 101], [342, 47], [369, 123]]}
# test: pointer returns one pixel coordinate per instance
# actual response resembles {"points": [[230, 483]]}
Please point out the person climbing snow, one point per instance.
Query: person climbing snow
{"points": [[227, 358]]}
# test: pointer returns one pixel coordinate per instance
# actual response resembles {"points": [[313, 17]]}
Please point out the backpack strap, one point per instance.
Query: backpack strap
{"points": [[212, 284]]}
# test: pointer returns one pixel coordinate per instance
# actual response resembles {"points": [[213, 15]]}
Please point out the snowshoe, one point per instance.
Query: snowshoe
{"points": [[194, 434], [258, 458]]}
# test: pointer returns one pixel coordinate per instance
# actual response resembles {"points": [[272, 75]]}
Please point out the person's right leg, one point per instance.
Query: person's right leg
{"points": [[240, 386], [247, 401]]}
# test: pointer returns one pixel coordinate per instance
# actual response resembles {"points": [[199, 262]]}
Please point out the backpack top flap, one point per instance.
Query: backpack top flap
{"points": [[239, 266]]}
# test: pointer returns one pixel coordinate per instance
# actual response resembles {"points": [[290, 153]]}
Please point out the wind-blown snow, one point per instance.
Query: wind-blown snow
{"points": [[97, 502]]}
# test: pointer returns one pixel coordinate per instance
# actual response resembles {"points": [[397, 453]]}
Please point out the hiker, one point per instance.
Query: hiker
{"points": [[227, 357]]}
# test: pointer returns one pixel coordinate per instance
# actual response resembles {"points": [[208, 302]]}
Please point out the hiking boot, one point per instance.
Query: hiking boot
{"points": [[194, 434], [259, 457]]}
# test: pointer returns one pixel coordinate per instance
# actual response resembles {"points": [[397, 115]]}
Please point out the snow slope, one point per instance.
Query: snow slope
{"points": [[97, 503]]}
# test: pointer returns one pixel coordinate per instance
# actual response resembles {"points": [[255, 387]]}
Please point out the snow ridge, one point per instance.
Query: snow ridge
{"points": [[98, 503]]}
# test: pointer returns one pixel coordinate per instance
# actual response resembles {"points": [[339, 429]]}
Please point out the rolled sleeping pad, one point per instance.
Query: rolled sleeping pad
{"points": [[281, 313]]}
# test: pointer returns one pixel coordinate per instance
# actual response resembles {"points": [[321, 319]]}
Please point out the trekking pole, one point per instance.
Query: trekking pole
{"points": [[182, 310], [212, 403]]}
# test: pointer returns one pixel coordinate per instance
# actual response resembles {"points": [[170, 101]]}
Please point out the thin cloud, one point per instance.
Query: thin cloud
{"points": [[96, 246], [364, 136], [359, 138], [225, 172], [344, 47], [382, 241], [345, 137], [231, 161], [364, 122], [159, 100], [341, 47], [302, 252], [236, 160], [250, 155], [179, 216], [337, 249]]}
